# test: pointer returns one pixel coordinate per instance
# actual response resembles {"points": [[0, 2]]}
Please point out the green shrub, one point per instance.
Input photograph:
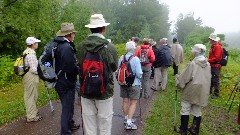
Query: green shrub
{"points": [[7, 75]]}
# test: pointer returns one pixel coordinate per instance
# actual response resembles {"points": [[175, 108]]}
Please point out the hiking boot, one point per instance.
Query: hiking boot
{"points": [[75, 127], [194, 129], [131, 126], [184, 125], [37, 118]]}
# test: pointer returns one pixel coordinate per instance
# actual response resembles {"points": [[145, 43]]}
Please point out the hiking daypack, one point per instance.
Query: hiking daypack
{"points": [[19, 65], [144, 56], [224, 59], [46, 63], [124, 75], [94, 75]]}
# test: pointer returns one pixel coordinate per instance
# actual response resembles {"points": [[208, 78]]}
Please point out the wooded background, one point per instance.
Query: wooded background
{"points": [[42, 18]]}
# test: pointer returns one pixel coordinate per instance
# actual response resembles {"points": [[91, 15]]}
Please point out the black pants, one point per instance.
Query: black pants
{"points": [[67, 98], [215, 81], [175, 68]]}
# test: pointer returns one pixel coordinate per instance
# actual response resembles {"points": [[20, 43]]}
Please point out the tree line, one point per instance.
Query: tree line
{"points": [[41, 19]]}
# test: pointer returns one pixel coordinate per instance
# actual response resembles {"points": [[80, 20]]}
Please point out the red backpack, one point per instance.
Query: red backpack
{"points": [[144, 56], [124, 75], [94, 75]]}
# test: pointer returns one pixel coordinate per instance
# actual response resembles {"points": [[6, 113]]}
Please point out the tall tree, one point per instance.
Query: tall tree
{"points": [[185, 25]]}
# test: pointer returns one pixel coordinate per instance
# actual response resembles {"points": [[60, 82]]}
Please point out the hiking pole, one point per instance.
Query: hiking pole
{"points": [[81, 113], [232, 92], [175, 111], [140, 110], [50, 102], [237, 89]]}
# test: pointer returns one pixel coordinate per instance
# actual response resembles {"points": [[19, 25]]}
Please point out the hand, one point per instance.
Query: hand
{"points": [[176, 79]]}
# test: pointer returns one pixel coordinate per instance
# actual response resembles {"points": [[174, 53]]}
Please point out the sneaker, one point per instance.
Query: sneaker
{"points": [[37, 118], [75, 126], [153, 88], [125, 121], [131, 126]]}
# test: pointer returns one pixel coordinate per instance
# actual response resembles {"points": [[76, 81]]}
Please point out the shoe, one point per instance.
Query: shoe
{"points": [[125, 121], [37, 118], [131, 126], [153, 88], [38, 114], [75, 126], [146, 97]]}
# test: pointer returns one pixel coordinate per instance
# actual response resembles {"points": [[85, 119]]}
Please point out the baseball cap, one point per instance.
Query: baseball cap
{"points": [[32, 40]]}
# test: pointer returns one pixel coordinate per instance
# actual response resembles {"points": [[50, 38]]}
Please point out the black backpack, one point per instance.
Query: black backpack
{"points": [[94, 75], [46, 63], [224, 59]]}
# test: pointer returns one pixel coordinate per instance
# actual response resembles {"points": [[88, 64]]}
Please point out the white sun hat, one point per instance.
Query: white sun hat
{"points": [[214, 37], [97, 21], [32, 40], [199, 48]]}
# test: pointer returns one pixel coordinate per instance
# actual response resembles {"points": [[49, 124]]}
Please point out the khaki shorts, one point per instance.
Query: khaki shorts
{"points": [[130, 92]]}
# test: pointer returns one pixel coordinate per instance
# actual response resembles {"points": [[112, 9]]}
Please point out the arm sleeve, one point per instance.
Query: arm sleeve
{"points": [[217, 54], [69, 59], [185, 77], [33, 63], [138, 68], [152, 55]]}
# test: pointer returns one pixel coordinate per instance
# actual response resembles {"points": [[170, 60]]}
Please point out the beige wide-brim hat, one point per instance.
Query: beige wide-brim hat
{"points": [[97, 21], [66, 28], [214, 37]]}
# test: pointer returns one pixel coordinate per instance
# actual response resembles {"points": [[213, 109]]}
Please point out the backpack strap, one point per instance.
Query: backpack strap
{"points": [[125, 59]]}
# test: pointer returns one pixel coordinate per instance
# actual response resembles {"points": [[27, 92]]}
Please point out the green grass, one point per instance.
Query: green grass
{"points": [[12, 102], [215, 119]]}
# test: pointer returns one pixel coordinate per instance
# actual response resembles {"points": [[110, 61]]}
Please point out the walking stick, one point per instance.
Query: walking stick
{"points": [[175, 112], [239, 113], [50, 102], [81, 113], [140, 110], [232, 92]]}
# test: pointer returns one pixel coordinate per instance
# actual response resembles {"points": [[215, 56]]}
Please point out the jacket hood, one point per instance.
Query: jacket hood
{"points": [[201, 61], [94, 43], [145, 46], [165, 47]]}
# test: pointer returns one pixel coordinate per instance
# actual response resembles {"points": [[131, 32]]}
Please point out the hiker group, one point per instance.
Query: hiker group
{"points": [[95, 61]]}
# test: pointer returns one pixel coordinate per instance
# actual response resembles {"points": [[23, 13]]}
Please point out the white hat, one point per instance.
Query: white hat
{"points": [[97, 21], [32, 40], [130, 45], [214, 37], [165, 39], [199, 48]]}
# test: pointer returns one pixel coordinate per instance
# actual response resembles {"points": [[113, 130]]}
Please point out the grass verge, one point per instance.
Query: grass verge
{"points": [[215, 119], [12, 102]]}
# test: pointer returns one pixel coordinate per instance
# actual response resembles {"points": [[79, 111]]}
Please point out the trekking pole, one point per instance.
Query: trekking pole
{"points": [[50, 102], [140, 110], [233, 99], [175, 111], [81, 114], [232, 92]]}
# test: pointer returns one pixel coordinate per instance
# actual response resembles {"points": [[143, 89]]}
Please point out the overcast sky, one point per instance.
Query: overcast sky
{"points": [[222, 15]]}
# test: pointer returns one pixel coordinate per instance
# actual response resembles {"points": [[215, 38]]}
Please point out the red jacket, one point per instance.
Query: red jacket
{"points": [[151, 55], [215, 55]]}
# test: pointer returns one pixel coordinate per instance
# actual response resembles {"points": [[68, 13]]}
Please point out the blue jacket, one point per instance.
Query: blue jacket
{"points": [[162, 57], [136, 68]]}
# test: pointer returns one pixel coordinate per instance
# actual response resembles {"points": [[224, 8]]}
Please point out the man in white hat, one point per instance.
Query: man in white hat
{"points": [[97, 108], [31, 80], [215, 56], [67, 70], [195, 82]]}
